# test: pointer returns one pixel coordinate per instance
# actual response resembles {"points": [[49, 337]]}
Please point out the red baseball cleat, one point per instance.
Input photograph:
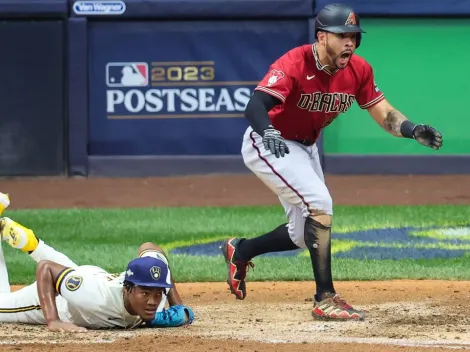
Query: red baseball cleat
{"points": [[332, 307], [236, 268]]}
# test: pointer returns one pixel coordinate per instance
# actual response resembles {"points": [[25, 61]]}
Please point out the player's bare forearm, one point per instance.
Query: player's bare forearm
{"points": [[46, 273], [174, 298], [393, 121], [150, 247], [389, 118]]}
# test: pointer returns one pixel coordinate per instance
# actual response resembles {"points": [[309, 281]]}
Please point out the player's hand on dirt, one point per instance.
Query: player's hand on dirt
{"points": [[428, 136], [274, 142], [62, 326]]}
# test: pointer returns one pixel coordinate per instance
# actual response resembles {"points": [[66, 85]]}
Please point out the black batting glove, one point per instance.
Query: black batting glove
{"points": [[427, 136], [273, 141]]}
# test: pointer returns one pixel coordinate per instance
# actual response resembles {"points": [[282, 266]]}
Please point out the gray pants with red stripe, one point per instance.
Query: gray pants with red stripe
{"points": [[297, 179]]}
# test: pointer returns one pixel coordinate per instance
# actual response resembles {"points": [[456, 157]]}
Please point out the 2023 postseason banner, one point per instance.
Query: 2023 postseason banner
{"points": [[169, 88]]}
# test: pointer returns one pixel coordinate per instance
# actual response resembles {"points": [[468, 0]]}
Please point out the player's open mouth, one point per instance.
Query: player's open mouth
{"points": [[344, 57]]}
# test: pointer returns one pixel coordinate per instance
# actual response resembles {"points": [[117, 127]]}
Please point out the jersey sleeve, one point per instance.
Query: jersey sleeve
{"points": [[279, 80], [369, 94], [82, 287]]}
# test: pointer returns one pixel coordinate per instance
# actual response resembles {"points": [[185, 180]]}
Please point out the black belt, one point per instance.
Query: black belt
{"points": [[304, 142]]}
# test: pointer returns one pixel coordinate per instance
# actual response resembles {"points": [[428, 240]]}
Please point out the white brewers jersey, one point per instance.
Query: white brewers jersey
{"points": [[89, 296], [95, 298]]}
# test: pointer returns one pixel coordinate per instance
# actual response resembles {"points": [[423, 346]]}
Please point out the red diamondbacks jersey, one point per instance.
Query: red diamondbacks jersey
{"points": [[312, 98]]}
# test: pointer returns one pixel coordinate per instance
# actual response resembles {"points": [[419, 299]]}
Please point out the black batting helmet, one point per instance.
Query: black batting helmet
{"points": [[338, 18]]}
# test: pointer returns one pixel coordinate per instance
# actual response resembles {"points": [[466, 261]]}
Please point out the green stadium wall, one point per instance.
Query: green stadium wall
{"points": [[421, 65]]}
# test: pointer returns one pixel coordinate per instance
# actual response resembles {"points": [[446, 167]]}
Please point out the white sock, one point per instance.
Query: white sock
{"points": [[4, 282], [45, 252]]}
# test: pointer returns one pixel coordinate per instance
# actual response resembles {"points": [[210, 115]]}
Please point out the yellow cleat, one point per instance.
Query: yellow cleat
{"points": [[4, 202], [17, 235]]}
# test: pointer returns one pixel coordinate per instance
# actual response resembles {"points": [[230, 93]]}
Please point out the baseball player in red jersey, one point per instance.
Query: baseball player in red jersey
{"points": [[302, 93]]}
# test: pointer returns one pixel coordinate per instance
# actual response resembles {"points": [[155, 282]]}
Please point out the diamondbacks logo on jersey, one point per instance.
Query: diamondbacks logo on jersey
{"points": [[351, 19], [326, 102], [127, 74], [274, 77], [73, 282], [155, 272]]}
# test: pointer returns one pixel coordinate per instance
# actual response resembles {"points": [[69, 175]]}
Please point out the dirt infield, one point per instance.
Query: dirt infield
{"points": [[226, 190], [401, 315]]}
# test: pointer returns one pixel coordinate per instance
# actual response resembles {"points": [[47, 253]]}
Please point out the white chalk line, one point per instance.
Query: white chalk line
{"points": [[449, 344], [446, 344], [53, 342], [401, 342]]}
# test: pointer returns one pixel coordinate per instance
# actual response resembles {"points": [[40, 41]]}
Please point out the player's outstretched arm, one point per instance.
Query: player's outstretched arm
{"points": [[47, 273], [177, 314], [147, 248], [395, 123]]}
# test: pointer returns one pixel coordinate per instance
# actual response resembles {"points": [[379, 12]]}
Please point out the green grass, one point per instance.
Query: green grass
{"points": [[110, 238]]}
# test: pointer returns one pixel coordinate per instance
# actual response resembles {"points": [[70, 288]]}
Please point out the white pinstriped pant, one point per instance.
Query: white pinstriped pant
{"points": [[297, 179]]}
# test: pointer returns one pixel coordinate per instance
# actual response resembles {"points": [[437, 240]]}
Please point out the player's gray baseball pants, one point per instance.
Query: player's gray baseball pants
{"points": [[297, 179]]}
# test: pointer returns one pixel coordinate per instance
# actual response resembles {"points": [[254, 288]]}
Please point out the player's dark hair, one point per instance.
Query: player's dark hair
{"points": [[129, 286]]}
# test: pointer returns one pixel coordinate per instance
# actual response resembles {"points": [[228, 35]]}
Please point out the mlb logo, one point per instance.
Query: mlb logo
{"points": [[127, 74]]}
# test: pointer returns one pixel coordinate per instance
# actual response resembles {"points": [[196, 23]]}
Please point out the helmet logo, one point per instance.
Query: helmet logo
{"points": [[155, 272], [351, 19]]}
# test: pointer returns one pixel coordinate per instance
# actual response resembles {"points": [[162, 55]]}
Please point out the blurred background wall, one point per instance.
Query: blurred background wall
{"points": [[148, 88]]}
